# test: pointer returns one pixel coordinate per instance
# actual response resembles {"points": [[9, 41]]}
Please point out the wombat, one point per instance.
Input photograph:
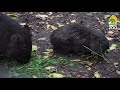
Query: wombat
{"points": [[15, 40], [76, 38]]}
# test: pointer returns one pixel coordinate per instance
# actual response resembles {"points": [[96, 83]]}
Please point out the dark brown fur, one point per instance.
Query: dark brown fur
{"points": [[74, 38], [15, 41]]}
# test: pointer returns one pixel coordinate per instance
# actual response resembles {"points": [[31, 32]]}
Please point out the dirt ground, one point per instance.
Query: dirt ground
{"points": [[43, 23]]}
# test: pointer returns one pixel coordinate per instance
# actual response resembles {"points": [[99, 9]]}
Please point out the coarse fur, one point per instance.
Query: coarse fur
{"points": [[74, 38], [15, 40]]}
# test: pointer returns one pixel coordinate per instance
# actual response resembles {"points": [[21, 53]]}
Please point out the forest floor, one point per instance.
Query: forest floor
{"points": [[45, 65]]}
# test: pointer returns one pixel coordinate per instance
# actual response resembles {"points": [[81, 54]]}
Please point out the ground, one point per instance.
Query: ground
{"points": [[44, 64]]}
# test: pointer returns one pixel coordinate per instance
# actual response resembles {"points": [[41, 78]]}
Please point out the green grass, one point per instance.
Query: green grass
{"points": [[36, 67]]}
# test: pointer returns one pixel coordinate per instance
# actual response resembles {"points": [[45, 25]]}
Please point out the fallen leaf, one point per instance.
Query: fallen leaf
{"points": [[109, 38], [34, 47], [102, 23], [49, 50], [44, 38], [106, 16], [45, 56], [98, 19], [34, 76], [117, 71], [76, 60], [88, 63], [89, 68], [113, 46], [46, 52], [60, 25], [41, 16], [73, 14], [53, 27], [73, 21], [50, 13], [110, 32], [90, 14], [49, 67], [118, 29], [59, 16], [22, 24], [97, 75], [12, 14], [50, 26], [116, 64], [56, 75]]}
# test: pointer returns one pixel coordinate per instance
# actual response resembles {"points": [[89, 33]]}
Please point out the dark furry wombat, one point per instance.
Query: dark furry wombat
{"points": [[15, 41], [76, 38]]}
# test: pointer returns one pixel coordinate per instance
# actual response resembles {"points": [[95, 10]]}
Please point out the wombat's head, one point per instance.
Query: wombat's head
{"points": [[20, 46], [102, 44]]}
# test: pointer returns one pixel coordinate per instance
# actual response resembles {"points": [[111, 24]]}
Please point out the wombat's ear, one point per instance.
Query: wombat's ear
{"points": [[15, 37]]}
